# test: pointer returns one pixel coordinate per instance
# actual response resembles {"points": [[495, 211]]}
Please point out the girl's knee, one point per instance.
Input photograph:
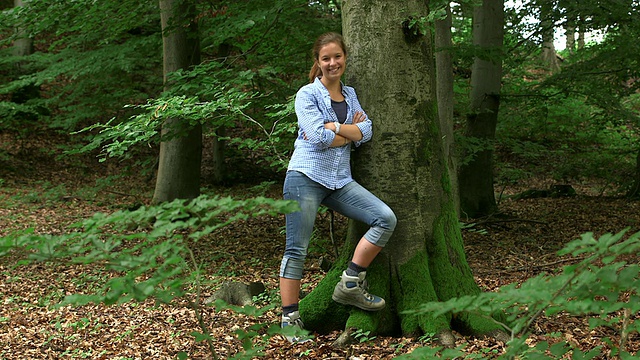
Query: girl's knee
{"points": [[390, 220]]}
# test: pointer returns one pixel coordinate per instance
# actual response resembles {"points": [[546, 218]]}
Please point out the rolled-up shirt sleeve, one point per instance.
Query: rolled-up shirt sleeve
{"points": [[311, 120], [366, 127]]}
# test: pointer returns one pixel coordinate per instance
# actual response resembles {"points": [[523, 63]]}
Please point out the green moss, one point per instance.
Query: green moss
{"points": [[364, 320], [473, 324], [318, 311], [380, 322], [448, 262], [427, 134], [446, 181], [447, 257], [415, 288]]}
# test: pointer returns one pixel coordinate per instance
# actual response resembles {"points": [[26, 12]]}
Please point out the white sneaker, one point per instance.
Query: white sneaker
{"points": [[293, 328]]}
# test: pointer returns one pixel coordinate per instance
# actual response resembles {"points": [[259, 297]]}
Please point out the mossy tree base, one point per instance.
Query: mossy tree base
{"points": [[404, 288]]}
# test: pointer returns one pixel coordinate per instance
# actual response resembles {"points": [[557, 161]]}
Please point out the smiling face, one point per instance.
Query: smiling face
{"points": [[332, 61]]}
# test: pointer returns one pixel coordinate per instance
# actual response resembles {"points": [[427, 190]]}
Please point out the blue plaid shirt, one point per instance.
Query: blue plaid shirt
{"points": [[328, 166]]}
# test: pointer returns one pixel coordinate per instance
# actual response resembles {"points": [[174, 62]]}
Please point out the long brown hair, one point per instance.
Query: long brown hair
{"points": [[324, 39]]}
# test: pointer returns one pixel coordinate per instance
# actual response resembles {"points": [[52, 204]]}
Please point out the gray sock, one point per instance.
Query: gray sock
{"points": [[354, 269]]}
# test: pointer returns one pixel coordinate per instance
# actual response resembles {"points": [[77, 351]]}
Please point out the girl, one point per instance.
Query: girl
{"points": [[330, 119]]}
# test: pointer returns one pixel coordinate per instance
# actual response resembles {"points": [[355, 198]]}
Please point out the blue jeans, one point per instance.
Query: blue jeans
{"points": [[352, 201]]}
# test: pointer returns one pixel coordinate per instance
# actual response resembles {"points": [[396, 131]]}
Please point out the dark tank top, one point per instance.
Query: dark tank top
{"points": [[340, 108]]}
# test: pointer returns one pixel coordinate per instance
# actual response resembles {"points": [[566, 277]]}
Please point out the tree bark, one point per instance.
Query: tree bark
{"points": [[634, 191], [444, 86], [23, 46], [404, 165], [477, 196], [218, 168], [580, 40], [549, 56], [570, 34], [181, 147]]}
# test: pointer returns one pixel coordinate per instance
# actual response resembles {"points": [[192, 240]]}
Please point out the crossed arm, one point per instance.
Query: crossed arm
{"points": [[348, 132]]}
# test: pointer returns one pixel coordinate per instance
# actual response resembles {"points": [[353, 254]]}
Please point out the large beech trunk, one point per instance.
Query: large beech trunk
{"points": [[394, 76]]}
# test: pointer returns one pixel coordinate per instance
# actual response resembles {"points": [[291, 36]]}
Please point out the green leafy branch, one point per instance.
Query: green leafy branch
{"points": [[280, 129], [116, 139]]}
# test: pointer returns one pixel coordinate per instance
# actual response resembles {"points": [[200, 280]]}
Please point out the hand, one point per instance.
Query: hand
{"points": [[359, 117], [330, 126]]}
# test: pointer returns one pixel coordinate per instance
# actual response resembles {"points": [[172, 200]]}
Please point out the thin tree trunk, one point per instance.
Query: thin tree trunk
{"points": [[218, 167], [580, 40], [444, 85], [181, 146], [634, 192], [549, 56], [477, 196], [23, 46], [570, 34]]}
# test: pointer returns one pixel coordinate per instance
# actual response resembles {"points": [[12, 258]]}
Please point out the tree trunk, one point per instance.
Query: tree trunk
{"points": [[404, 165], [634, 191], [23, 45], [477, 196], [549, 56], [444, 86], [580, 40], [181, 146], [570, 34], [218, 168]]}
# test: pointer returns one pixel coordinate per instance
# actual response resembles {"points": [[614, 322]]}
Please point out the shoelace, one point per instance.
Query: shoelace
{"points": [[296, 321], [364, 290]]}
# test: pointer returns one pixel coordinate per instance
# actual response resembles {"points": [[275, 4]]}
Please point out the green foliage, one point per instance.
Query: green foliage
{"points": [[600, 285], [575, 139], [363, 336], [88, 65], [575, 119], [104, 62], [118, 139], [225, 107], [276, 143]]}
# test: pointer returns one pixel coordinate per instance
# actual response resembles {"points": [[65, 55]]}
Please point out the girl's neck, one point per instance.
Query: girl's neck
{"points": [[332, 86]]}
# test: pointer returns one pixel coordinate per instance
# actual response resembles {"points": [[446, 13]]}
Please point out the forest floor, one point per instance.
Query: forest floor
{"points": [[38, 192]]}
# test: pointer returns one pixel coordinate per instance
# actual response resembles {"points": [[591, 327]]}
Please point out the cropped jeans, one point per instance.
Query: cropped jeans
{"points": [[352, 201]]}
